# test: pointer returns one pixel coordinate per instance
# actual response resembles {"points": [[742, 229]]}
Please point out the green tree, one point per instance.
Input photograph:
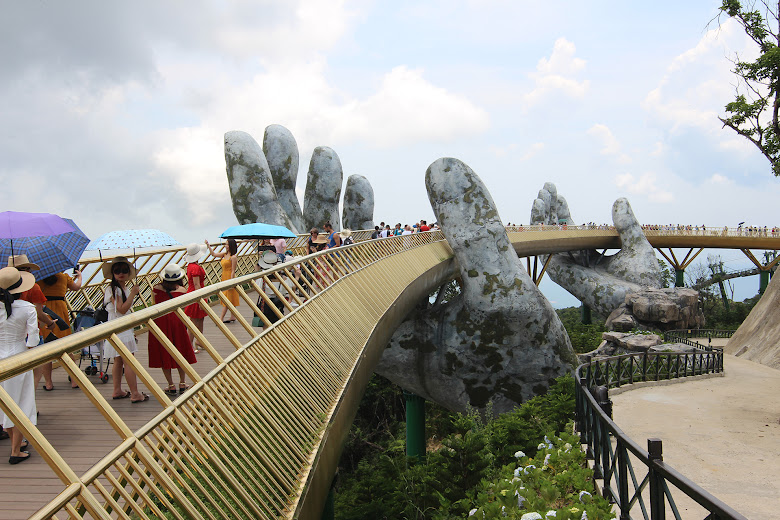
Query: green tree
{"points": [[754, 112]]}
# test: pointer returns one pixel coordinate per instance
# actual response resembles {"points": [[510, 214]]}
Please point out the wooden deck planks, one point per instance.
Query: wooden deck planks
{"points": [[80, 433]]}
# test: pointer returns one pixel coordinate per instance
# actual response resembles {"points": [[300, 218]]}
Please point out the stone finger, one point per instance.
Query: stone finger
{"points": [[323, 189], [281, 152], [252, 188]]}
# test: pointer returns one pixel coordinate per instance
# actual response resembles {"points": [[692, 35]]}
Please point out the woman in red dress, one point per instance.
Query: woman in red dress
{"points": [[196, 279], [170, 324]]}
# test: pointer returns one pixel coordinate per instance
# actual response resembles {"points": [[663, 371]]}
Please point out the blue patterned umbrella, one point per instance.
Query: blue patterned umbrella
{"points": [[132, 239], [54, 253]]}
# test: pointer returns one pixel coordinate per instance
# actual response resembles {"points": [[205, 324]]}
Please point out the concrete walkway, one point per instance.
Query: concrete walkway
{"points": [[722, 432]]}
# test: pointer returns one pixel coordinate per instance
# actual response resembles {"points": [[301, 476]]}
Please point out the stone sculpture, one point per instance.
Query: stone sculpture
{"points": [[601, 282], [262, 184], [358, 203], [251, 185], [499, 340], [323, 189], [281, 151]]}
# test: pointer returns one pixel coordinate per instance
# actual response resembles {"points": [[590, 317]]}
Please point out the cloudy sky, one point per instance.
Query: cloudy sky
{"points": [[113, 113]]}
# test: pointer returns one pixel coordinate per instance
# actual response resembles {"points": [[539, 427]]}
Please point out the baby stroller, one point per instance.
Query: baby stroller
{"points": [[84, 319]]}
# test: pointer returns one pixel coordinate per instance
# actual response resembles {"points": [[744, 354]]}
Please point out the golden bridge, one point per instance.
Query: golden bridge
{"points": [[260, 431]]}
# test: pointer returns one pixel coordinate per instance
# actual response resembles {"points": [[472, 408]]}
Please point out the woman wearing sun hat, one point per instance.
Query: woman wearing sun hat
{"points": [[196, 279], [118, 300], [18, 330], [46, 325], [171, 286]]}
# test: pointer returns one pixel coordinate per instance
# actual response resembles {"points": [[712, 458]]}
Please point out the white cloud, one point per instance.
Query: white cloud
{"points": [[720, 180], [698, 83], [532, 151], [644, 185], [555, 75], [609, 143]]}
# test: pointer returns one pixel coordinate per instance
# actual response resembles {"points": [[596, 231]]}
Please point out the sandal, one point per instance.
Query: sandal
{"points": [[183, 387], [171, 390], [48, 389], [125, 396], [144, 398]]}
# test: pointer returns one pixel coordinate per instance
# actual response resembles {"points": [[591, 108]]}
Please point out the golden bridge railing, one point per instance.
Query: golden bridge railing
{"points": [[260, 435], [149, 263]]}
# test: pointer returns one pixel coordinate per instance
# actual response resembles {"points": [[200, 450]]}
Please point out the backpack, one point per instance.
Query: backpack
{"points": [[347, 241]]}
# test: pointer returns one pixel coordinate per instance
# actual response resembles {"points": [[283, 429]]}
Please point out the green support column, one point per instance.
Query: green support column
{"points": [[679, 278], [415, 426], [585, 316], [763, 281], [329, 511]]}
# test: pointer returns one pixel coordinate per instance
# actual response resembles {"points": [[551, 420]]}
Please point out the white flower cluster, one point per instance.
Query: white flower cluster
{"points": [[582, 495], [531, 516], [519, 454]]}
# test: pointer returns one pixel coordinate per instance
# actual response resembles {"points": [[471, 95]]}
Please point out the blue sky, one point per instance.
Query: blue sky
{"points": [[114, 113]]}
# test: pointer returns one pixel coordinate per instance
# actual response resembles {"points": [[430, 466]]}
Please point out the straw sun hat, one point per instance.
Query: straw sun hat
{"points": [[268, 259], [107, 266], [15, 281], [22, 261]]}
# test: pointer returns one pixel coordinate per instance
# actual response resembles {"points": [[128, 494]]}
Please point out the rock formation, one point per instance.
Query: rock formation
{"points": [[499, 340], [251, 185], [618, 343], [601, 282], [281, 152], [323, 189], [358, 203], [658, 309], [758, 338]]}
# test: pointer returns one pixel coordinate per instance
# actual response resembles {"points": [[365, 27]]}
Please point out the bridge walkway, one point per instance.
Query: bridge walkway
{"points": [[722, 433], [81, 434]]}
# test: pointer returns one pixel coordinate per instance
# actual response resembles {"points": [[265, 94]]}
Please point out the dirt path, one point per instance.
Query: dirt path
{"points": [[722, 432]]}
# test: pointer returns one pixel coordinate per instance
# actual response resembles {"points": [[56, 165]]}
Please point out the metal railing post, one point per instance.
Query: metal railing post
{"points": [[657, 505], [622, 470]]}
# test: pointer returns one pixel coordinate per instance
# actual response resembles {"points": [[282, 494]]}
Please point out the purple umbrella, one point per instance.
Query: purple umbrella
{"points": [[16, 224]]}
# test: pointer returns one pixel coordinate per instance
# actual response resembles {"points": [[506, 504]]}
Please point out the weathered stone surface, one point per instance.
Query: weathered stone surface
{"points": [[659, 309], [323, 189], [358, 203], [627, 345], [249, 178], [758, 338], [281, 152], [633, 342], [500, 340], [600, 282]]}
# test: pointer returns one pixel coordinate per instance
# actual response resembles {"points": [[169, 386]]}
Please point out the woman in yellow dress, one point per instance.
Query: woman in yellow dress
{"points": [[229, 262], [55, 287]]}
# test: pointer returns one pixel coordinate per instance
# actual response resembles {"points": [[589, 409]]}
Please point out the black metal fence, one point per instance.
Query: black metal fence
{"points": [[617, 458], [684, 335]]}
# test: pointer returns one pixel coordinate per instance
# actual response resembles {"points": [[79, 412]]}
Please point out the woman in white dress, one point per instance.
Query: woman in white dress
{"points": [[18, 331], [119, 301]]}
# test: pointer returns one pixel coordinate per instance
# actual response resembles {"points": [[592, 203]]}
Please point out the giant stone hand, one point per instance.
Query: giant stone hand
{"points": [[262, 184], [499, 340], [601, 282]]}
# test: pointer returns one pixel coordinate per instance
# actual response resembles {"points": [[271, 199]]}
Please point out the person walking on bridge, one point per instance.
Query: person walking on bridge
{"points": [[118, 300], [229, 262], [18, 330]]}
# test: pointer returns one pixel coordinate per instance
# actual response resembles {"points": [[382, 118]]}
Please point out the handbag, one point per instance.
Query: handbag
{"points": [[101, 314]]}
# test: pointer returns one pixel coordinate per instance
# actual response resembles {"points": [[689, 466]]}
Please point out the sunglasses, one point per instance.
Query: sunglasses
{"points": [[122, 269]]}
